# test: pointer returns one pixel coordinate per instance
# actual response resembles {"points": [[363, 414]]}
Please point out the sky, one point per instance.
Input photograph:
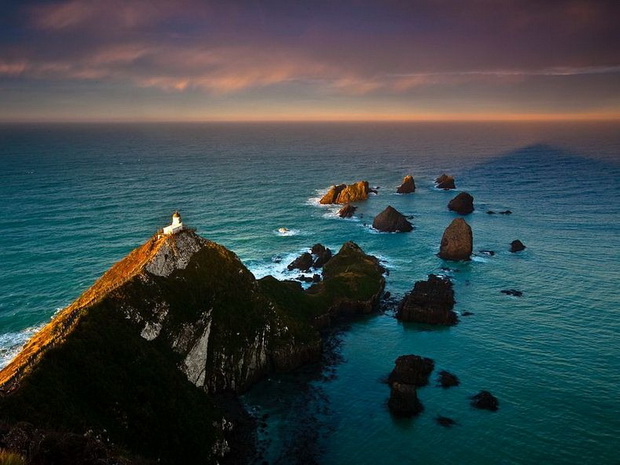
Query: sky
{"points": [[255, 60]]}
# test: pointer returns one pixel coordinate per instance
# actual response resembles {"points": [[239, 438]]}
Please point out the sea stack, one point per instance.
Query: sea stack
{"points": [[347, 211], [517, 246], [463, 204], [457, 241], [407, 186], [445, 182], [346, 194], [391, 220], [429, 302]]}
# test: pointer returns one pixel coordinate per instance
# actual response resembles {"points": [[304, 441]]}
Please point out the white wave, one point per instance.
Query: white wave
{"points": [[478, 259], [285, 232], [12, 343]]}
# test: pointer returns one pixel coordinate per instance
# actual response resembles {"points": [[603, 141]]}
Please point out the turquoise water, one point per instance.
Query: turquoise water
{"points": [[75, 199]]}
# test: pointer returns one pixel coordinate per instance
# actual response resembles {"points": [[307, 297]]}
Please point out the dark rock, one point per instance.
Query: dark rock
{"points": [[430, 302], [347, 211], [513, 292], [445, 182], [391, 220], [303, 262], [304, 278], [445, 421], [387, 295], [490, 212], [447, 379], [407, 186], [316, 278], [485, 400], [404, 400], [322, 255], [466, 313], [463, 204], [457, 241], [505, 212], [346, 194], [516, 246], [412, 369], [490, 253]]}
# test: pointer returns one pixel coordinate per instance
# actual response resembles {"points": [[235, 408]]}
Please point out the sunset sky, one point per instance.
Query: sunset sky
{"points": [[186, 60]]}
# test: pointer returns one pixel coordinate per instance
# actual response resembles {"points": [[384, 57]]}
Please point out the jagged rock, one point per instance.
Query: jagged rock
{"points": [[347, 211], [391, 220], [445, 182], [430, 302], [404, 400], [485, 400], [346, 194], [516, 246], [179, 318], [512, 292], [463, 204], [407, 186], [445, 421], [457, 241], [447, 379], [303, 262], [321, 255], [412, 369]]}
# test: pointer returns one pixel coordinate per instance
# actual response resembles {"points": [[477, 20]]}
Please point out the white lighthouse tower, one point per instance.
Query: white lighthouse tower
{"points": [[176, 225]]}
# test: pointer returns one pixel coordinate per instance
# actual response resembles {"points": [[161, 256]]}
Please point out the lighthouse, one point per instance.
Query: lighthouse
{"points": [[176, 225]]}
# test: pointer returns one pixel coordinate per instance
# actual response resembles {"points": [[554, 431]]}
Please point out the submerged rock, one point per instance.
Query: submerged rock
{"points": [[444, 421], [430, 302], [463, 204], [347, 211], [412, 369], [407, 186], [445, 182], [512, 292], [516, 246], [343, 193], [404, 400], [485, 400], [457, 241], [391, 220], [447, 379]]}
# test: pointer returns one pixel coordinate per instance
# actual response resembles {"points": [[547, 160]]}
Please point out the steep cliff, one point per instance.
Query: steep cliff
{"points": [[140, 354]]}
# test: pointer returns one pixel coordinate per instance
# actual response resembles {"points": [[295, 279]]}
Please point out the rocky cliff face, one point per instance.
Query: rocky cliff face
{"points": [[179, 319]]}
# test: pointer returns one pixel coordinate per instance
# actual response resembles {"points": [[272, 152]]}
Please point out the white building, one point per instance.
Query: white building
{"points": [[176, 225]]}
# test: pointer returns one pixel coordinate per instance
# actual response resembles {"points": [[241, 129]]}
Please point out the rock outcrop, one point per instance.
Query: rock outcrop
{"points": [[303, 262], [485, 400], [180, 318], [429, 302], [412, 369], [457, 241], [346, 194], [462, 204], [318, 256], [347, 211], [404, 400], [407, 186], [517, 246], [445, 182], [391, 220], [447, 379]]}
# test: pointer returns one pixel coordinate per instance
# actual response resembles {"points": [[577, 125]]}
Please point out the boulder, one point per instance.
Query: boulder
{"points": [[412, 369], [346, 194], [404, 400], [516, 246], [347, 211], [391, 220], [463, 204], [447, 379], [321, 255], [429, 302], [408, 185], [445, 182], [485, 400], [303, 262], [457, 241]]}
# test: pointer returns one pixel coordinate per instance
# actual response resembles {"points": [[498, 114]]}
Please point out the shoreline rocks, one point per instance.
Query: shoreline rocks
{"points": [[462, 204], [429, 302], [391, 220], [343, 193], [407, 186], [318, 256], [457, 241]]}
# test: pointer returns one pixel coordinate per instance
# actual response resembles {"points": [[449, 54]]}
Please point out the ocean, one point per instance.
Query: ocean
{"points": [[74, 199]]}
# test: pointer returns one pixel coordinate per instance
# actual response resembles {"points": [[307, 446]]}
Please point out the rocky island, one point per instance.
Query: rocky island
{"points": [[129, 372]]}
